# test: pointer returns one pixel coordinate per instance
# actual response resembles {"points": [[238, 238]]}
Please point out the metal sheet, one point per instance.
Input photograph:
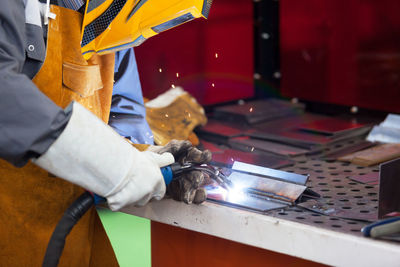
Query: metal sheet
{"points": [[275, 174], [219, 132], [255, 192], [331, 126], [222, 129], [335, 211], [303, 139], [227, 158], [292, 137], [287, 130], [367, 178], [214, 148], [341, 151], [389, 187], [249, 144], [258, 111], [289, 122]]}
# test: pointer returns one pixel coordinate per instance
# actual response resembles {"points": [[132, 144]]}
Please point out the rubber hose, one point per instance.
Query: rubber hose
{"points": [[71, 216]]}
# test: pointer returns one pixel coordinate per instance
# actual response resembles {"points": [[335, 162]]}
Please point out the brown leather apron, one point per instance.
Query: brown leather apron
{"points": [[32, 200]]}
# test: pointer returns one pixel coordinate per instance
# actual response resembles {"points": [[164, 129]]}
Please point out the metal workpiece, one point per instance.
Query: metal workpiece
{"points": [[269, 188], [257, 188], [271, 173]]}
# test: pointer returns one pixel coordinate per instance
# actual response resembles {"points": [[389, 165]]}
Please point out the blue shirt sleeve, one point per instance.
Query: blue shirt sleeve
{"points": [[128, 114]]}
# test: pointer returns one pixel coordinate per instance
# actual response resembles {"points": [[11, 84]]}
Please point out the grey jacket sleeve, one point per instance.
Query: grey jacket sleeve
{"points": [[29, 121]]}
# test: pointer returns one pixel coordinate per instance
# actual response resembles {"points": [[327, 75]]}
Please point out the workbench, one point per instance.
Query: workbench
{"points": [[273, 238]]}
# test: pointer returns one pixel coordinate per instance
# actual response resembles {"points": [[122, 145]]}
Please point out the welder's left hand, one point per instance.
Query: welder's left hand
{"points": [[188, 188]]}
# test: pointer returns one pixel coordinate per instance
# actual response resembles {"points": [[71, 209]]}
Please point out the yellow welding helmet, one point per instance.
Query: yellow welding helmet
{"points": [[112, 25]]}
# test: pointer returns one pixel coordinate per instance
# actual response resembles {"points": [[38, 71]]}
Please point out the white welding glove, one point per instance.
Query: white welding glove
{"points": [[92, 155]]}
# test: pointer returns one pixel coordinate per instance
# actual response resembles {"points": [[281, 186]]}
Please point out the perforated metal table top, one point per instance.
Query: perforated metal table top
{"points": [[341, 196]]}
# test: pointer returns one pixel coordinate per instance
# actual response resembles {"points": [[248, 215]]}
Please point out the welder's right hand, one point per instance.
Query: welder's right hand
{"points": [[189, 188], [92, 155]]}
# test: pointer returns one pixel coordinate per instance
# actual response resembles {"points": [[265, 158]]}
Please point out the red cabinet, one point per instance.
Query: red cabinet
{"points": [[341, 51]]}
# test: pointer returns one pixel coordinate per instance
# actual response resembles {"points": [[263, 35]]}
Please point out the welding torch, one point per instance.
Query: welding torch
{"points": [[176, 170]]}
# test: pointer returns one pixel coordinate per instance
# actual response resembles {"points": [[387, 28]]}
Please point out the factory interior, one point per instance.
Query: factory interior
{"points": [[292, 105]]}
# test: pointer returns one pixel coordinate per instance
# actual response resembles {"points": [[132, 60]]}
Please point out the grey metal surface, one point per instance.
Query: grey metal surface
{"points": [[341, 197], [348, 202]]}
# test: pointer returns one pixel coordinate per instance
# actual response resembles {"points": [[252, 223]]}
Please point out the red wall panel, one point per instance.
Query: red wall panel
{"points": [[213, 58], [342, 51]]}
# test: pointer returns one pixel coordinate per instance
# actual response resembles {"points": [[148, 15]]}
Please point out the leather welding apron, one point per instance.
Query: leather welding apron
{"points": [[32, 200]]}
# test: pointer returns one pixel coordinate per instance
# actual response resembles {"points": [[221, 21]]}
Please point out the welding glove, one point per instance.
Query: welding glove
{"points": [[188, 188], [92, 155]]}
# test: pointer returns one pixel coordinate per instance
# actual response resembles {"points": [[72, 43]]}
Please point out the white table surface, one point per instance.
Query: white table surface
{"points": [[271, 233]]}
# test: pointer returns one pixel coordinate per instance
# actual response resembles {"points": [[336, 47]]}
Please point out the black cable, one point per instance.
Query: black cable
{"points": [[77, 209], [71, 216]]}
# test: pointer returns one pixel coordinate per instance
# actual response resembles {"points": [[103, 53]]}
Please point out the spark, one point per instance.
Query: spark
{"points": [[177, 75], [216, 55], [160, 69], [213, 84], [236, 193], [173, 85]]}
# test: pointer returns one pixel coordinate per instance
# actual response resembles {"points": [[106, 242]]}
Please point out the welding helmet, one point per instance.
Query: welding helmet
{"points": [[112, 25]]}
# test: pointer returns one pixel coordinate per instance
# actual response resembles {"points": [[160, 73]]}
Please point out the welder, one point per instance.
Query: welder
{"points": [[56, 80]]}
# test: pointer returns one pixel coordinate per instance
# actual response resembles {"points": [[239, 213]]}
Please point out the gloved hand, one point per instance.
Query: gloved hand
{"points": [[188, 188], [92, 155]]}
